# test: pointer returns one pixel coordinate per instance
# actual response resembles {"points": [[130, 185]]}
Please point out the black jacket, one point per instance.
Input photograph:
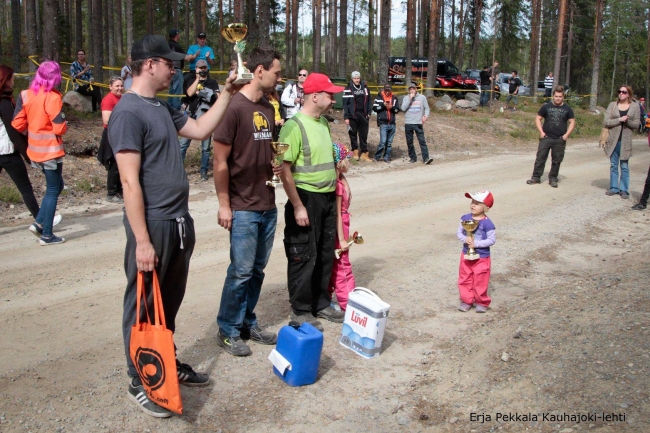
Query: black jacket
{"points": [[350, 105], [384, 115]]}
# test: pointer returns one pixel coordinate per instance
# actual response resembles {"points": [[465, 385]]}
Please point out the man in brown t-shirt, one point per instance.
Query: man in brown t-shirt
{"points": [[242, 165]]}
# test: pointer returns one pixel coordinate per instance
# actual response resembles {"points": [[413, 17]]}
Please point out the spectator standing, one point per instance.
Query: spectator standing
{"points": [[356, 112], [80, 70], [143, 132], [622, 119], [105, 153], [416, 109], [559, 122], [643, 201], [280, 111], [513, 90], [494, 74], [200, 51], [293, 95], [385, 106], [39, 114], [242, 164], [548, 85], [309, 179], [126, 73], [201, 91], [176, 87], [486, 86]]}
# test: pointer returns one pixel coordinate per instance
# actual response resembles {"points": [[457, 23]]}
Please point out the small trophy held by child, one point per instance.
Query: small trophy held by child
{"points": [[356, 238]]}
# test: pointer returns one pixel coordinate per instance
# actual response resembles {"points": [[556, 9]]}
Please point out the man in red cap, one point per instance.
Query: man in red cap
{"points": [[309, 179]]}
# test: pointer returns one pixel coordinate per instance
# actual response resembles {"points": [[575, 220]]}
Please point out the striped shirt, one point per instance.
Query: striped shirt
{"points": [[548, 82]]}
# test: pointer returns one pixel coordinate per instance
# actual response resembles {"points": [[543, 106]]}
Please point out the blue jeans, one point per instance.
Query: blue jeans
{"points": [[614, 160], [205, 151], [485, 95], [511, 97], [176, 88], [251, 241], [54, 186], [419, 132], [386, 134]]}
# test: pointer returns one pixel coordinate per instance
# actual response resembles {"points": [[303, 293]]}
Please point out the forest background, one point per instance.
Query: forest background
{"points": [[594, 46]]}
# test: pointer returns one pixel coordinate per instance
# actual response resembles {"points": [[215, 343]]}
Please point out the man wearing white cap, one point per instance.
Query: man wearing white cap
{"points": [[357, 104]]}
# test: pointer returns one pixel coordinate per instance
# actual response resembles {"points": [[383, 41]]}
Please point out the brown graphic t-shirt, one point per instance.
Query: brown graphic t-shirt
{"points": [[248, 127]]}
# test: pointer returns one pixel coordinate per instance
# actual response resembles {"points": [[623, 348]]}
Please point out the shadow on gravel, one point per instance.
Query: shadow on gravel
{"points": [[601, 184]]}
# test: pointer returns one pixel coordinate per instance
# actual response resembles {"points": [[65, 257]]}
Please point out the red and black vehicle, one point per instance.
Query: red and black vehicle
{"points": [[448, 77]]}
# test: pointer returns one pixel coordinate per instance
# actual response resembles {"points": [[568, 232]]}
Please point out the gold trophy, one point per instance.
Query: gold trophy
{"points": [[356, 238], [235, 33], [278, 148], [469, 227]]}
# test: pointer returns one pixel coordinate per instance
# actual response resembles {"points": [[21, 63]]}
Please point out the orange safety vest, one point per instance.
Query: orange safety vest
{"points": [[40, 114]]}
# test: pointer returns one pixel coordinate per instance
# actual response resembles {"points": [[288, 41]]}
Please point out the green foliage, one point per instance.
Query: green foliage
{"points": [[9, 194], [89, 185]]}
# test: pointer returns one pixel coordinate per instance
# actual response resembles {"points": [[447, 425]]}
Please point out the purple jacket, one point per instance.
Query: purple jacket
{"points": [[484, 235]]}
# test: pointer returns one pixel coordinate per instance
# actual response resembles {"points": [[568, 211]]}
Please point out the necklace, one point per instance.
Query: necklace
{"points": [[157, 104], [357, 87]]}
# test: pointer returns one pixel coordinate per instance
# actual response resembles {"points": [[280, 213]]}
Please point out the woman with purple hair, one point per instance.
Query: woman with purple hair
{"points": [[38, 114]]}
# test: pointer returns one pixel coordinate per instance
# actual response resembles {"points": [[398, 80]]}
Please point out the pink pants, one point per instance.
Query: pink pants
{"points": [[473, 280], [342, 280]]}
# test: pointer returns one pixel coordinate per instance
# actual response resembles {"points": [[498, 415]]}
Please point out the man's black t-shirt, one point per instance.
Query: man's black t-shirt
{"points": [[555, 119], [485, 78], [514, 83], [193, 102], [176, 47]]}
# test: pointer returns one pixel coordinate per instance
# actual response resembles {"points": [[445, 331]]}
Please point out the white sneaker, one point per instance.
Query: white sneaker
{"points": [[57, 219]]}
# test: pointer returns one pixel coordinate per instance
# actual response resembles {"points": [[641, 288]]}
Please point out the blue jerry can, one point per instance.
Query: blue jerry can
{"points": [[296, 356]]}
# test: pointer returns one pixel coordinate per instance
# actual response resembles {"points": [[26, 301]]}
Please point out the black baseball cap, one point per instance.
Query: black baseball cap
{"points": [[201, 35], [153, 46], [173, 33]]}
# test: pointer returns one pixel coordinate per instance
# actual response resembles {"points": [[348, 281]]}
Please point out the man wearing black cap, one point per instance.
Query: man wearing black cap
{"points": [[143, 132], [200, 51], [176, 87]]}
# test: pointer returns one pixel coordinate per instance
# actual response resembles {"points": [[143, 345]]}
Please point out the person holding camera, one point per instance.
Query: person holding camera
{"points": [[201, 93]]}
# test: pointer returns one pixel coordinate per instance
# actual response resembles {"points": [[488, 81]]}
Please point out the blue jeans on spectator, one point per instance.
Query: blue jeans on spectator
{"points": [[511, 97], [386, 134], [54, 186], [176, 88], [251, 241], [419, 132], [205, 151], [616, 185], [485, 95]]}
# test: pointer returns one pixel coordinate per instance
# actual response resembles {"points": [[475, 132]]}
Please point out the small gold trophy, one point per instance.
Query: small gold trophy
{"points": [[469, 227], [356, 238], [235, 33], [278, 148]]}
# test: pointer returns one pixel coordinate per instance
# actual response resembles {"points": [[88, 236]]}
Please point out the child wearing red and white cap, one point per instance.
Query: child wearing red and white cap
{"points": [[474, 275]]}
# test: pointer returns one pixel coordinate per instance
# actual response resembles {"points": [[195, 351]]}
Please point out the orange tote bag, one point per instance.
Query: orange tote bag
{"points": [[152, 350]]}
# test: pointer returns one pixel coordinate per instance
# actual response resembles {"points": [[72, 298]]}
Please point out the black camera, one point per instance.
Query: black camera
{"points": [[203, 73], [207, 97]]}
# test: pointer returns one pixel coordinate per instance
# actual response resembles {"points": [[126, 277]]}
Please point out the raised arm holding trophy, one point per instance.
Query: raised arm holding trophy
{"points": [[235, 33]]}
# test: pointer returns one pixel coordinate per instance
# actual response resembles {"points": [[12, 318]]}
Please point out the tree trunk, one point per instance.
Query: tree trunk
{"points": [[611, 88], [440, 27], [78, 23], [333, 36], [175, 12], [534, 29], [647, 68], [30, 30], [452, 45], [410, 39], [294, 37], [434, 34], [354, 29], [197, 16], [119, 40], [264, 17], [384, 32], [39, 27], [150, 17], [287, 34], [478, 5], [558, 46], [187, 23], [98, 42], [567, 79], [129, 25], [598, 29], [204, 14], [110, 20], [371, 30], [343, 40], [316, 41], [222, 54], [90, 24], [51, 30], [15, 33], [462, 16], [424, 15]]}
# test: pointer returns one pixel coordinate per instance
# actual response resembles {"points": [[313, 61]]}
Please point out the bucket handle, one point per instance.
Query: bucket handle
{"points": [[368, 291]]}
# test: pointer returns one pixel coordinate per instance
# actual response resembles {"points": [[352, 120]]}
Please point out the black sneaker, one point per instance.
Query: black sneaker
{"points": [[204, 176], [639, 206], [533, 181], [139, 396], [428, 161], [329, 313], [413, 161], [259, 336], [36, 230], [52, 240], [553, 183], [233, 345], [625, 195], [188, 377], [306, 317]]}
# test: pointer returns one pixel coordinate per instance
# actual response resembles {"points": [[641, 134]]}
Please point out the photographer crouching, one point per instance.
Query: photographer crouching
{"points": [[201, 93]]}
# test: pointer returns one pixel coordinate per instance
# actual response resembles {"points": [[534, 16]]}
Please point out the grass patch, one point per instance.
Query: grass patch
{"points": [[9, 194], [587, 124], [89, 185]]}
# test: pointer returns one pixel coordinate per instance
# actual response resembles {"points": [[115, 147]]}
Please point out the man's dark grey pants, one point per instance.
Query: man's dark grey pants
{"points": [[166, 236], [556, 147]]}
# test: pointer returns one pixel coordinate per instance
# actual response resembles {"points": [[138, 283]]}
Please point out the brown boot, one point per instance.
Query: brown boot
{"points": [[355, 154], [365, 157]]}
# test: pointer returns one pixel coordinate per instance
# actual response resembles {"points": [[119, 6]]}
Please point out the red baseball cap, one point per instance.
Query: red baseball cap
{"points": [[320, 83], [484, 197]]}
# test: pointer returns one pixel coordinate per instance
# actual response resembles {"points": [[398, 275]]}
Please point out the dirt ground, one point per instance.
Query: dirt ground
{"points": [[567, 333]]}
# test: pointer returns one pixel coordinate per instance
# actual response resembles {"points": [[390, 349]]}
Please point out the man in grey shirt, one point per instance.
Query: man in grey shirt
{"points": [[416, 109], [143, 132]]}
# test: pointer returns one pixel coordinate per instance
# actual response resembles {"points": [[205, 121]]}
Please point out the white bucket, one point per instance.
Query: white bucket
{"points": [[365, 321]]}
